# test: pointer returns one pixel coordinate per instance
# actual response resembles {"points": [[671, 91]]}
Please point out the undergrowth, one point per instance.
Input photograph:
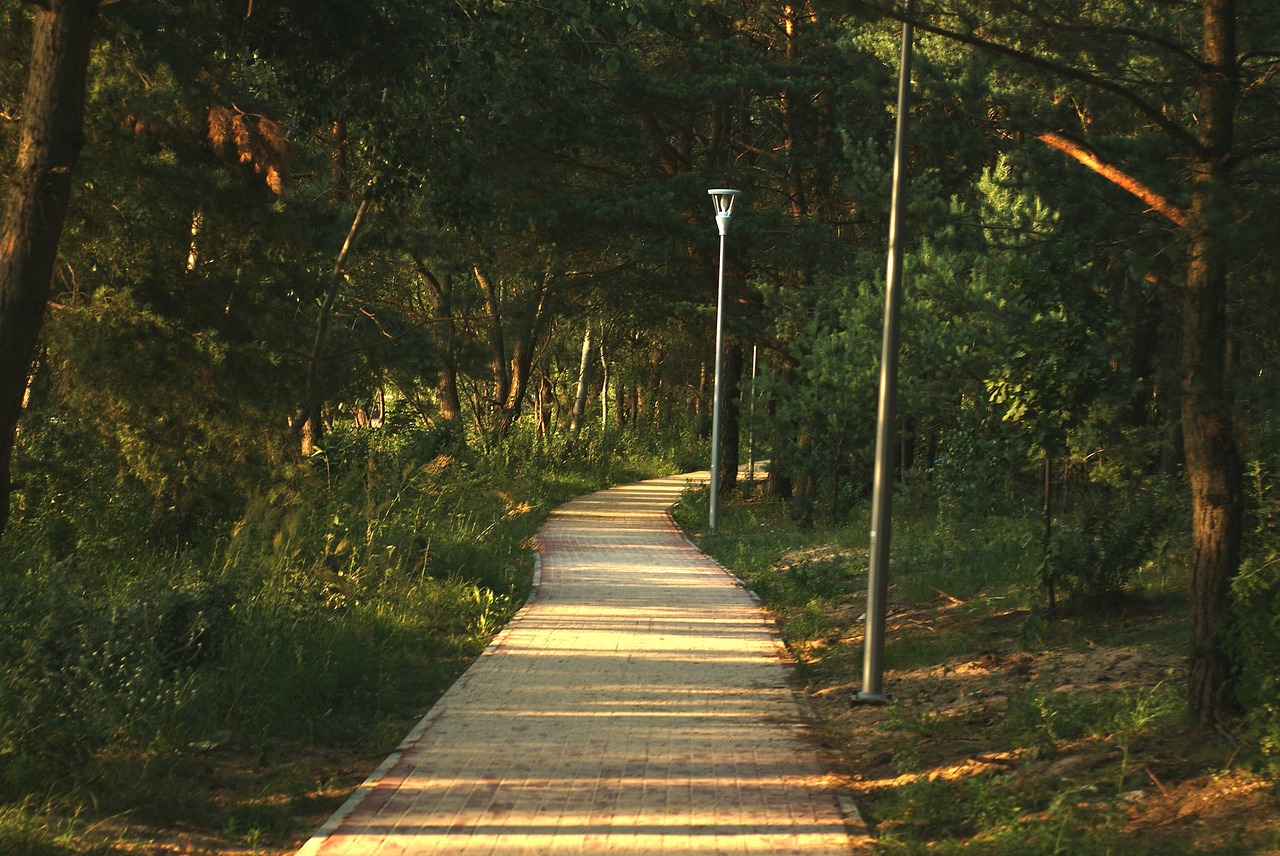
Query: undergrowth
{"points": [[329, 612], [1011, 730]]}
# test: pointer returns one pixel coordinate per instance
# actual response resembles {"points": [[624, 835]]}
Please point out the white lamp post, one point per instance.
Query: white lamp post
{"points": [[723, 200]]}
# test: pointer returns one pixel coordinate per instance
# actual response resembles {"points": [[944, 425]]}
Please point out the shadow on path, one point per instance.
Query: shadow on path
{"points": [[637, 705]]}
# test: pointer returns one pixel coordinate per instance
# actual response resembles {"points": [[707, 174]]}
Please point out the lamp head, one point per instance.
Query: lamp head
{"points": [[723, 201]]}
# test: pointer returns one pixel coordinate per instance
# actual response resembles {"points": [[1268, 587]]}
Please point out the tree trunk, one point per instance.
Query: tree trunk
{"points": [[528, 336], [730, 424], [584, 378], [604, 391], [797, 198], [777, 482], [497, 339], [307, 427], [36, 201], [339, 156], [701, 405], [1214, 466], [311, 438], [804, 486], [1215, 471], [546, 400], [439, 294]]}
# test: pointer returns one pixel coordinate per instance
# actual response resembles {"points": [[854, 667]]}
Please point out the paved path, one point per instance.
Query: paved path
{"points": [[638, 705]]}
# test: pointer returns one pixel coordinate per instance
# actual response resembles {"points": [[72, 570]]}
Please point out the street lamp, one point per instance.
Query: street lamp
{"points": [[723, 200], [886, 419]]}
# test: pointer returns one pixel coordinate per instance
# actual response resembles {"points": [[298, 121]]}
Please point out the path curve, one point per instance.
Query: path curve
{"points": [[637, 705]]}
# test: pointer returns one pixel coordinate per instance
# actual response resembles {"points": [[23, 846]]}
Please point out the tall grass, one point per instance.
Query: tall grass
{"points": [[331, 611]]}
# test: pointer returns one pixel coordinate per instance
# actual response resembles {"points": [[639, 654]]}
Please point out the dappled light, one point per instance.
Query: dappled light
{"points": [[638, 705]]}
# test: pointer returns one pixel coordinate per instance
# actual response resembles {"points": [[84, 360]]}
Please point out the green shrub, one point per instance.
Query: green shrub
{"points": [[1096, 552], [1256, 604], [1256, 594], [343, 597]]}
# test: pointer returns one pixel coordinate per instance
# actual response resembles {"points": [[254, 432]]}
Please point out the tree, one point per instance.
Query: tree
{"points": [[1180, 71], [36, 202]]}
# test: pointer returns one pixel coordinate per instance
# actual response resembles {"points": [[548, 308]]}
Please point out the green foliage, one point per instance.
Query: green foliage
{"points": [[983, 565], [1256, 643], [767, 550], [1048, 721], [26, 830], [967, 556], [997, 813], [165, 534], [329, 611], [953, 808], [1108, 535]]}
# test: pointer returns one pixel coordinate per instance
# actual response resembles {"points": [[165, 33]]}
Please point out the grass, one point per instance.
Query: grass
{"points": [[226, 697], [1007, 732]]}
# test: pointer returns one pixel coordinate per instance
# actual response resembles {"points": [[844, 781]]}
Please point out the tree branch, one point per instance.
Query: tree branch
{"points": [[1085, 76], [1116, 176]]}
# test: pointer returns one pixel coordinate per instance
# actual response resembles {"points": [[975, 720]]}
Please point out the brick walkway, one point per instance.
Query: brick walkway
{"points": [[638, 705]]}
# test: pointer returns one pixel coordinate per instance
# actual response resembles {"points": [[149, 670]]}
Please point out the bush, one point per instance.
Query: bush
{"points": [[1106, 536], [1256, 594], [81, 669]]}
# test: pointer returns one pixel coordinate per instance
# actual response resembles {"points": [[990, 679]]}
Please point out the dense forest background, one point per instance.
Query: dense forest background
{"points": [[320, 260]]}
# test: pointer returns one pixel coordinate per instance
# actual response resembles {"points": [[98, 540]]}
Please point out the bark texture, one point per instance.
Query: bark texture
{"points": [[1213, 462]]}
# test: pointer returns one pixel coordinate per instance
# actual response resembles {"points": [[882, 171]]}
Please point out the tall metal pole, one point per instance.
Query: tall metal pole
{"points": [[886, 417], [714, 522], [723, 200]]}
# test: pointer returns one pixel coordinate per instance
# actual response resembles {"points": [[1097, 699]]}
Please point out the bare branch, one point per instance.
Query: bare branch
{"points": [[1116, 176]]}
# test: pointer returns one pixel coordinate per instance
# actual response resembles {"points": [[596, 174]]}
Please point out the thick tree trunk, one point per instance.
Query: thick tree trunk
{"points": [[36, 201], [1214, 467], [447, 390], [311, 434], [1215, 471]]}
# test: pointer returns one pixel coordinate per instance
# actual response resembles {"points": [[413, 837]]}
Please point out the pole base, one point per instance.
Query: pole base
{"points": [[870, 698]]}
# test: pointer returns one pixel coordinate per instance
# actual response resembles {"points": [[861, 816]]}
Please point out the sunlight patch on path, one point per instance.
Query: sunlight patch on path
{"points": [[638, 705]]}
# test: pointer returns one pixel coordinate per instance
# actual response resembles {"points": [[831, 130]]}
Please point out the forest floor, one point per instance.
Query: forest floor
{"points": [[1009, 734]]}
